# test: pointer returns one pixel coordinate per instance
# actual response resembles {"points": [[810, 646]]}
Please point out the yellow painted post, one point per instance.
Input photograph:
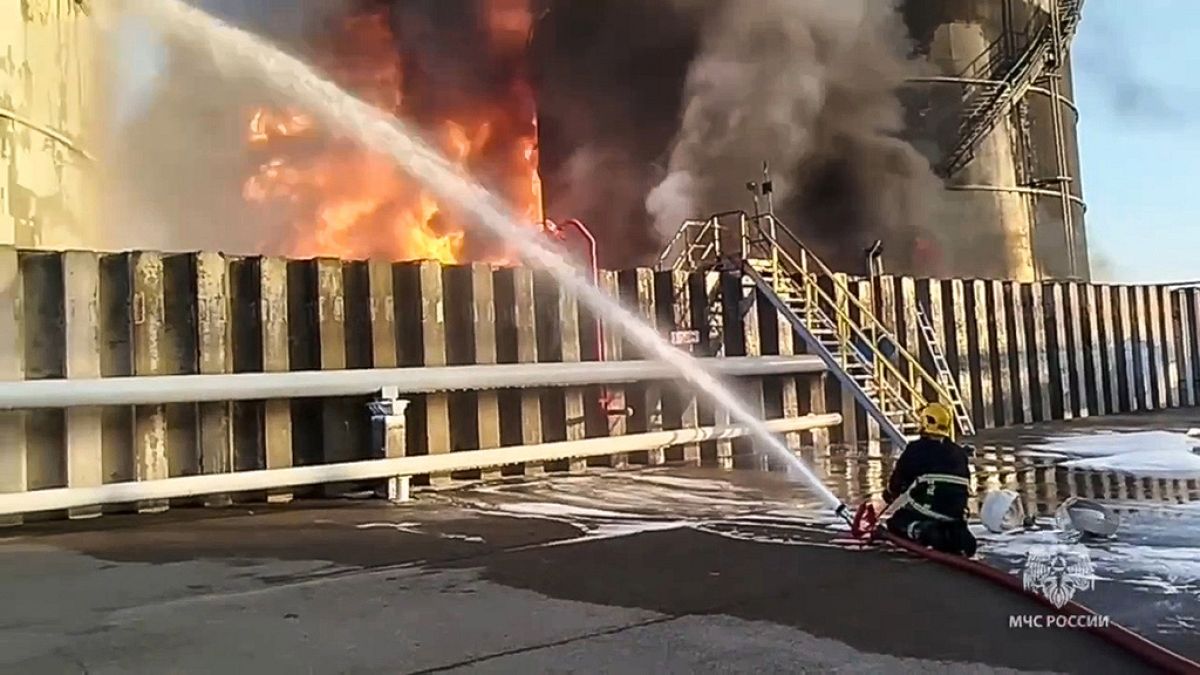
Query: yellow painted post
{"points": [[483, 299], [84, 425], [275, 334], [215, 353], [148, 324], [13, 471]]}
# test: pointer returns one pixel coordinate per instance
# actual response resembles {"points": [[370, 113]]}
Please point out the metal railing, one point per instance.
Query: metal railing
{"points": [[163, 389], [986, 102], [823, 301], [398, 469], [869, 330]]}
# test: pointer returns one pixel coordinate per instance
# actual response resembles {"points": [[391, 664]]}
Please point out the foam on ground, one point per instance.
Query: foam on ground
{"points": [[1155, 454]]}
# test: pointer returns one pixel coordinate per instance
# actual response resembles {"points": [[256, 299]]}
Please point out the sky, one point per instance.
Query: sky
{"points": [[1137, 85]]}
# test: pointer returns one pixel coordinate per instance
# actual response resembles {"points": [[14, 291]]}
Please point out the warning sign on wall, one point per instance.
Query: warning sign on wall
{"points": [[685, 337]]}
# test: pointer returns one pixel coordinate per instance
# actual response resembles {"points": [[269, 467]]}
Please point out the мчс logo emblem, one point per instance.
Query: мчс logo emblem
{"points": [[1058, 572]]}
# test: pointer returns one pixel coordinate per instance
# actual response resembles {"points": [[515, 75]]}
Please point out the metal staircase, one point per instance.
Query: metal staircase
{"points": [[865, 357], [987, 99]]}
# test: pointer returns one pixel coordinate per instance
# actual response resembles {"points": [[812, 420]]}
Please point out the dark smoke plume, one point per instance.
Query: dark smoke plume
{"points": [[654, 111], [809, 87], [608, 78]]}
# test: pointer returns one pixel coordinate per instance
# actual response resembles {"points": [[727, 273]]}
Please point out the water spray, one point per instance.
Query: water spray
{"points": [[236, 51]]}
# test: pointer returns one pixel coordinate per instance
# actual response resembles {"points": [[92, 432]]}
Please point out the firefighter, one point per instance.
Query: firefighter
{"points": [[931, 479]]}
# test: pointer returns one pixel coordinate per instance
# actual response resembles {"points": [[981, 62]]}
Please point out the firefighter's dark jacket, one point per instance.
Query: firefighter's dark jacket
{"points": [[928, 455]]}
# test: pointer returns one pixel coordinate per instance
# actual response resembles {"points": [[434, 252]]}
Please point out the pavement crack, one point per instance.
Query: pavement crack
{"points": [[547, 645]]}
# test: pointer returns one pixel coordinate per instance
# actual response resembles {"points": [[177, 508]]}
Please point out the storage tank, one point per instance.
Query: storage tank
{"points": [[994, 114], [48, 91]]}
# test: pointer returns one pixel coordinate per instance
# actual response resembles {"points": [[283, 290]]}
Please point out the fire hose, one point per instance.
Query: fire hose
{"points": [[864, 525]]}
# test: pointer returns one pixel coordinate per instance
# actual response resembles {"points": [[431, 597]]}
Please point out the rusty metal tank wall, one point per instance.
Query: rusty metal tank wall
{"points": [[47, 99], [1003, 214]]}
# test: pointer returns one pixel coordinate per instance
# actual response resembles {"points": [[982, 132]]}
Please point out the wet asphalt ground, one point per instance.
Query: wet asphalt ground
{"points": [[644, 572]]}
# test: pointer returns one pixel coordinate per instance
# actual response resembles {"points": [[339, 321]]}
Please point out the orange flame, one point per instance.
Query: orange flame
{"points": [[351, 203]]}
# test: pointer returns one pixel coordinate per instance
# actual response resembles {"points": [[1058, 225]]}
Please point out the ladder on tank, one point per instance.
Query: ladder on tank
{"points": [[961, 415], [996, 83], [866, 358]]}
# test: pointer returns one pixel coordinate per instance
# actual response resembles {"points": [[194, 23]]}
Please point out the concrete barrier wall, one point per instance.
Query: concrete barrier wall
{"points": [[1030, 352], [1021, 353], [84, 315]]}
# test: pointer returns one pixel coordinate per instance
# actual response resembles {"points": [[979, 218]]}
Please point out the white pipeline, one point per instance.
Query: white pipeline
{"points": [[156, 390], [56, 499]]}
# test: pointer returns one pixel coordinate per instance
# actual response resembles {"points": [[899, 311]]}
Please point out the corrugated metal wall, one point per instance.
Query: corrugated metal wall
{"points": [[47, 104]]}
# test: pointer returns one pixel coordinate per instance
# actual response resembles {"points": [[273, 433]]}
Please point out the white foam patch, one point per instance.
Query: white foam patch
{"points": [[1156, 454], [1164, 569], [415, 528], [556, 510]]}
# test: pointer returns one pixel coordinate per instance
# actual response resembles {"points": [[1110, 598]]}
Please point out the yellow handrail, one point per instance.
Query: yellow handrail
{"points": [[811, 279], [844, 318]]}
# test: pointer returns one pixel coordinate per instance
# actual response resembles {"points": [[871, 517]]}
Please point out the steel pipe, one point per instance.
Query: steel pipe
{"points": [[55, 499], [155, 390]]}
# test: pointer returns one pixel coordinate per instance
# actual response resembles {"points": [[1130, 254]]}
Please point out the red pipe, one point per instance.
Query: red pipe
{"points": [[553, 229], [594, 262], [1152, 653]]}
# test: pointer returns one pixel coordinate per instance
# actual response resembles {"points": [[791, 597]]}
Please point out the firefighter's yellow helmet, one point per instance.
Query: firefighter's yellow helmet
{"points": [[935, 419]]}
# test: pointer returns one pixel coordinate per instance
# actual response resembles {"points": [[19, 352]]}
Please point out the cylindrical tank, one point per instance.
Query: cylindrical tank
{"points": [[1014, 207], [47, 100]]}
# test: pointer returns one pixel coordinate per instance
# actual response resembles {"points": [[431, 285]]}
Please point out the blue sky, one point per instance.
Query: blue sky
{"points": [[1137, 84]]}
